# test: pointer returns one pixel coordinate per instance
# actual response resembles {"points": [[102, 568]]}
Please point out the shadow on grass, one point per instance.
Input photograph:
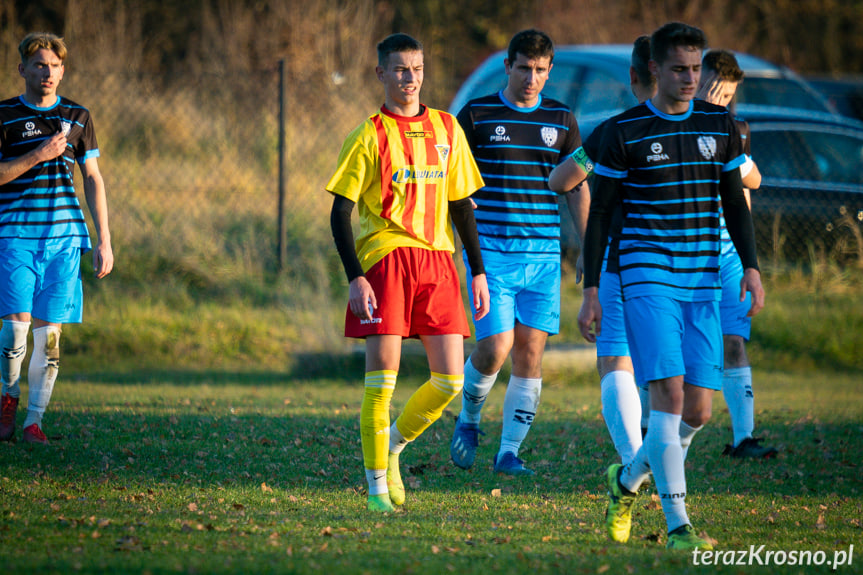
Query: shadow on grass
{"points": [[305, 367]]}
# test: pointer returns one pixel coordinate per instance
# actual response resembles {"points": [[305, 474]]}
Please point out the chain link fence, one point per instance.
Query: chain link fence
{"points": [[192, 170]]}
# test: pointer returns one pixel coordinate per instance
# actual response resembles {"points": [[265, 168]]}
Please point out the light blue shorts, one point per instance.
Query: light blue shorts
{"points": [[44, 283], [611, 341], [525, 293], [670, 338], [731, 309]]}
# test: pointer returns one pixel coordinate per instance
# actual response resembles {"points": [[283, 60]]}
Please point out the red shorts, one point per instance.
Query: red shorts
{"points": [[418, 293]]}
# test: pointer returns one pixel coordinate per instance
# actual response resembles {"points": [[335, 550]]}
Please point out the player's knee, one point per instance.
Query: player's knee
{"points": [[735, 351], [698, 415]]}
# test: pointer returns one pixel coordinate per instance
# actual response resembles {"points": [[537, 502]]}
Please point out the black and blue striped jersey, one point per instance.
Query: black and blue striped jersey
{"points": [[517, 215], [40, 209], [669, 167]]}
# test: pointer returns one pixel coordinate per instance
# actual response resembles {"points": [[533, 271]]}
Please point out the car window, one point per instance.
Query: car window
{"points": [[777, 92], [601, 92], [805, 154], [562, 83]]}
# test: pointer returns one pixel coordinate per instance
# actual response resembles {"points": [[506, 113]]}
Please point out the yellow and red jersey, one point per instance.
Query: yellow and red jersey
{"points": [[402, 172]]}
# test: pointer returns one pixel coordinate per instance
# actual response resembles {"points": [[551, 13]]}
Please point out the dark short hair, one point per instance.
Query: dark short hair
{"points": [[672, 35], [640, 57], [724, 63], [532, 43], [396, 43]]}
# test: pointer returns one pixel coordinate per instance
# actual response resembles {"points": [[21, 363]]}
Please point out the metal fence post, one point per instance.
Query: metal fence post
{"points": [[283, 251]]}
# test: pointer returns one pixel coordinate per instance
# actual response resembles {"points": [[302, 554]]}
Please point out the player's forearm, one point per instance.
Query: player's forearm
{"points": [[15, 168], [578, 203], [738, 218], [570, 172], [598, 223], [461, 212], [343, 235], [97, 203]]}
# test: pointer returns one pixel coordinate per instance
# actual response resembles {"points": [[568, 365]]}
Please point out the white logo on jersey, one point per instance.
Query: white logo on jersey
{"points": [[707, 146], [65, 126], [443, 152], [657, 155], [549, 135], [30, 130], [499, 135]]}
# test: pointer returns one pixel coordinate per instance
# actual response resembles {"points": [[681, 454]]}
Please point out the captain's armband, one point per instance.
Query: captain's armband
{"points": [[582, 160]]}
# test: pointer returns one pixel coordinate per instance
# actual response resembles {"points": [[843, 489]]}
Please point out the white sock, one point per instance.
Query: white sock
{"points": [[377, 480], [644, 396], [13, 348], [666, 462], [621, 409], [636, 471], [397, 440], [737, 391], [519, 409], [687, 432], [476, 389], [44, 364]]}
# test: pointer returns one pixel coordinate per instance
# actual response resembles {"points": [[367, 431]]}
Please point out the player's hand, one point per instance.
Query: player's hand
{"points": [[481, 298], [590, 315], [711, 89], [579, 267], [103, 260], [751, 283], [51, 148], [361, 298]]}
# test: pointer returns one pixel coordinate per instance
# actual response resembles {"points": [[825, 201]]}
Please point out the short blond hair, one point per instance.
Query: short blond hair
{"points": [[35, 41]]}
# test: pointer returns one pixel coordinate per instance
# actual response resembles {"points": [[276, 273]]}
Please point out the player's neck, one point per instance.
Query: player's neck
{"points": [[670, 106], [407, 110], [39, 100]]}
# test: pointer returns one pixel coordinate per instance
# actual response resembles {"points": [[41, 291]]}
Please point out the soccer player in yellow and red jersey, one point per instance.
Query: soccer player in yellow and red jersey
{"points": [[409, 169]]}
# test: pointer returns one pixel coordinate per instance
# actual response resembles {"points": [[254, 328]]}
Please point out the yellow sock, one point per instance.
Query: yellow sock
{"points": [[375, 417], [427, 404]]}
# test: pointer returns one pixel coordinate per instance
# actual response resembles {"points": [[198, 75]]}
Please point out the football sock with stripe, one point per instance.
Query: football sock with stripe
{"points": [[666, 462], [477, 386], [13, 348], [687, 432], [375, 427], [519, 409], [427, 403], [44, 366], [737, 391], [621, 409]]}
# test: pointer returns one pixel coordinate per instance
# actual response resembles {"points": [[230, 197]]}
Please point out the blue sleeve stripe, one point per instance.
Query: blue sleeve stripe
{"points": [[735, 163], [601, 170]]}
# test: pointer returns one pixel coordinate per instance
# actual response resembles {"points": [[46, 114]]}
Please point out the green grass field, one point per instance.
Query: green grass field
{"points": [[262, 473]]}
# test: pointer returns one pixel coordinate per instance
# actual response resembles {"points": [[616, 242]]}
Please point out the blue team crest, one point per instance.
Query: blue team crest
{"points": [[707, 146], [65, 126], [443, 152], [549, 135]]}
